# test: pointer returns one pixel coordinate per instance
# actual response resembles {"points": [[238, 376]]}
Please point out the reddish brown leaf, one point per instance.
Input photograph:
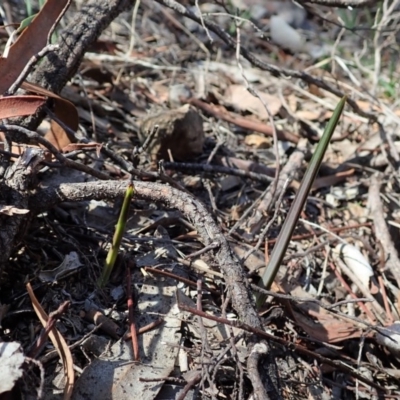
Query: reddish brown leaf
{"points": [[319, 323], [18, 106], [31, 41], [326, 327], [64, 110]]}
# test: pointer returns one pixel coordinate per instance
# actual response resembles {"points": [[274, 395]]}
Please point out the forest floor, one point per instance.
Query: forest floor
{"points": [[235, 132]]}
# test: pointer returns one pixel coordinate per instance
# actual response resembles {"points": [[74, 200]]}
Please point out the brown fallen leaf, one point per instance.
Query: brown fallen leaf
{"points": [[19, 106], [59, 343], [240, 98], [319, 323], [64, 110], [323, 326], [30, 42]]}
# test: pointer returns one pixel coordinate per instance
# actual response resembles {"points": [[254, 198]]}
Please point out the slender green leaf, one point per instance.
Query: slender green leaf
{"points": [[116, 243], [286, 232]]}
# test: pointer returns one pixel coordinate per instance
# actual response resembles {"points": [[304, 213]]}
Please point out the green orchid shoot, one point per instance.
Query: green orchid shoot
{"points": [[117, 238], [286, 232]]}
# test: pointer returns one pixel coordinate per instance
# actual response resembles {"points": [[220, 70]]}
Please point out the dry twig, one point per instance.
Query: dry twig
{"points": [[381, 229]]}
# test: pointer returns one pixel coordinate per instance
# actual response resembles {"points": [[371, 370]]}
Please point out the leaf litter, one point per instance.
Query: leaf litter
{"points": [[130, 76]]}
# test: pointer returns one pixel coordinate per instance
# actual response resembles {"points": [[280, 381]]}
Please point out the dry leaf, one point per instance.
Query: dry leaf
{"points": [[321, 325], [31, 41], [258, 141], [356, 261], [113, 375], [308, 115], [240, 98], [59, 343], [19, 106], [390, 337], [318, 322], [70, 263], [64, 110]]}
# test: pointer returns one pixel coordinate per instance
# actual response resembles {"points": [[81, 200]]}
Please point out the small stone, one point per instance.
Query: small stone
{"points": [[180, 131]]}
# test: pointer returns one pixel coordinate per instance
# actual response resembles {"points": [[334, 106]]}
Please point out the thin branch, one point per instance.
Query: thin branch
{"points": [[381, 229], [217, 169], [31, 137]]}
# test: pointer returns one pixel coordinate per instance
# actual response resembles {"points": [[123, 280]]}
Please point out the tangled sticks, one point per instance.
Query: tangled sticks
{"points": [[208, 231]]}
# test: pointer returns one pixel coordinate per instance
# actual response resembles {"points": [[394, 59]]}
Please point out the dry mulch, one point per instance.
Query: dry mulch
{"points": [[211, 179]]}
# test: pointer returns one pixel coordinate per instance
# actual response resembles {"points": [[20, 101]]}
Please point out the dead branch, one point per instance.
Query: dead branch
{"points": [[171, 198], [216, 169], [381, 229], [288, 173], [257, 354], [208, 231]]}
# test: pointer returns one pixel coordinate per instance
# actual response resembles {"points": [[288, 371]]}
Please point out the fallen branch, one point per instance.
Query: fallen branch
{"points": [[172, 198], [210, 234], [381, 229]]}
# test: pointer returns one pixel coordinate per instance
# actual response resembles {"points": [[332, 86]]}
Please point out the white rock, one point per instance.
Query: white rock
{"points": [[390, 337], [284, 35], [354, 259]]}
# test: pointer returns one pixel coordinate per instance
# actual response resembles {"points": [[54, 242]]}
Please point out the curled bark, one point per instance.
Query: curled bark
{"points": [[16, 184]]}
